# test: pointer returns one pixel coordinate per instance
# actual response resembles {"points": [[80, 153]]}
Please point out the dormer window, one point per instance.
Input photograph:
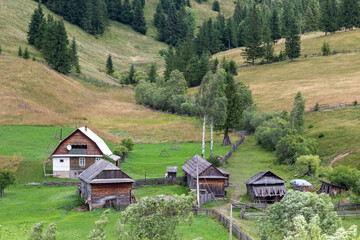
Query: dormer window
{"points": [[78, 149]]}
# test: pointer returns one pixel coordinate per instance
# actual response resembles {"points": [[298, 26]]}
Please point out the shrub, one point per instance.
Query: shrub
{"points": [[346, 177], [216, 6], [187, 108], [321, 135], [316, 108], [355, 102], [128, 143], [325, 49], [308, 164], [268, 134], [121, 150], [214, 160], [310, 126]]}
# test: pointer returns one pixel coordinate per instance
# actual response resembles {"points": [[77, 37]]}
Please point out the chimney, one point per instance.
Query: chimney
{"points": [[85, 128]]}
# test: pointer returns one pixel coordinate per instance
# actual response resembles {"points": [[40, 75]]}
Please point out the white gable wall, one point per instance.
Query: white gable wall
{"points": [[61, 167]]}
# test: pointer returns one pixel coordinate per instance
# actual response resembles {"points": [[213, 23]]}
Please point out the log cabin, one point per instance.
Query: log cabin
{"points": [[212, 180], [104, 184], [77, 152], [266, 187]]}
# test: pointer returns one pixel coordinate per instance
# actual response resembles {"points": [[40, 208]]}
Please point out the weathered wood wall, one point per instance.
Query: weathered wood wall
{"points": [[215, 186], [75, 161], [211, 171], [122, 190]]}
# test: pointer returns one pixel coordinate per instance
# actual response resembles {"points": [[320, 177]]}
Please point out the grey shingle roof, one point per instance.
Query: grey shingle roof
{"points": [[112, 180], [171, 169], [190, 166], [223, 171], [265, 177], [91, 172]]}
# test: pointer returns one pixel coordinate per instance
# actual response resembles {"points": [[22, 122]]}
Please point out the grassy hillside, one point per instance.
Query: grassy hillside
{"points": [[341, 133], [327, 80]]}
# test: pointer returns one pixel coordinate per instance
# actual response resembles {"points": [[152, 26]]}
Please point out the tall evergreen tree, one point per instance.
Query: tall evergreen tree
{"points": [[132, 74], [172, 30], [74, 56], [252, 35], [312, 17], [49, 42], [328, 16], [152, 74], [109, 66], [275, 26], [239, 13], [292, 41], [216, 6], [297, 120], [159, 14], [26, 54], [100, 19], [34, 25], [126, 14], [230, 34], [20, 53], [138, 20], [268, 48], [350, 12], [288, 15], [62, 59]]}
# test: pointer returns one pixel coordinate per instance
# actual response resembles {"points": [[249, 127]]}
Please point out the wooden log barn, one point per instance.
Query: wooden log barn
{"points": [[212, 180], [171, 172], [330, 188], [103, 184], [77, 152], [266, 187]]}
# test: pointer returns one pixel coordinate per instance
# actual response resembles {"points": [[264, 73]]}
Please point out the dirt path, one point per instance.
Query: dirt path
{"points": [[341, 155]]}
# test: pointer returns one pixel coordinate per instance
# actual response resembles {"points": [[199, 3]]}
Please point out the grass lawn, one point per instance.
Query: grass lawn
{"points": [[23, 206], [341, 133]]}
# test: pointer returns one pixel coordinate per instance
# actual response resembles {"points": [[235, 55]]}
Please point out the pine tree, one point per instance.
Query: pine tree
{"points": [[350, 11], [49, 41], [109, 66], [288, 15], [216, 6], [158, 16], [138, 20], [252, 36], [328, 17], [239, 13], [20, 53], [132, 74], [100, 19], [269, 48], [39, 40], [172, 30], [36, 20], [297, 120], [26, 54], [126, 16], [292, 41], [275, 26], [74, 56], [62, 59], [230, 34], [153, 73], [312, 17]]}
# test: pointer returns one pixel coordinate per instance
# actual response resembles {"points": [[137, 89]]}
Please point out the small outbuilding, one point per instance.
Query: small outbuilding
{"points": [[212, 180], [103, 184], [301, 185], [330, 188], [171, 172], [266, 187]]}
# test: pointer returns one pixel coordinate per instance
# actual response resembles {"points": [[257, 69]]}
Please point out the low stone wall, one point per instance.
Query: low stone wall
{"points": [[61, 183]]}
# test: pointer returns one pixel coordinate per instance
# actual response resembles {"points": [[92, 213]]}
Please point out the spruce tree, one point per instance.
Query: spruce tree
{"points": [[288, 15], [39, 40], [36, 20], [132, 74], [26, 54], [20, 53], [312, 17], [328, 16], [275, 26], [350, 11], [100, 19], [126, 16], [172, 30], [138, 20], [297, 120], [74, 56], [152, 75], [239, 13], [109, 66], [269, 48], [49, 41], [230, 34], [216, 6], [252, 36], [158, 16], [292, 41], [62, 61]]}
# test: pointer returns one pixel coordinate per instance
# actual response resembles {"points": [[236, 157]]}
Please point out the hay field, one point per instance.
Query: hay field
{"points": [[33, 94]]}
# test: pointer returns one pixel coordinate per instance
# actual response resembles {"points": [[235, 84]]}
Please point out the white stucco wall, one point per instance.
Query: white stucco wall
{"points": [[61, 166]]}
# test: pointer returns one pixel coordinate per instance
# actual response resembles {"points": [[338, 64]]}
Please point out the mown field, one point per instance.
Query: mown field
{"points": [[24, 206]]}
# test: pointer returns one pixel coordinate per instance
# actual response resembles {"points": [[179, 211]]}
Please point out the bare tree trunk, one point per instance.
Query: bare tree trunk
{"points": [[212, 137], [203, 139], [226, 141]]}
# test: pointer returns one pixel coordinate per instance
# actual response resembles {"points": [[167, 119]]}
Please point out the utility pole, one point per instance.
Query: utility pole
{"points": [[197, 183], [230, 227]]}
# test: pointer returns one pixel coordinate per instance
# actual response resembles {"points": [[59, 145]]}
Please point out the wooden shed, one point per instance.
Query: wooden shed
{"points": [[266, 187], [330, 188], [211, 179], [171, 172], [104, 184]]}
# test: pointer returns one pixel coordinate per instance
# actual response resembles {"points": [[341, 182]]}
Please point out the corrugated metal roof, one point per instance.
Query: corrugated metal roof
{"points": [[172, 169], [99, 142], [300, 182], [265, 177], [91, 172], [190, 166]]}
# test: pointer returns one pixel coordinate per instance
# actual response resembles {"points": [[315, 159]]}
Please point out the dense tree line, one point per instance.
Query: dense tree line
{"points": [[50, 37], [93, 15]]}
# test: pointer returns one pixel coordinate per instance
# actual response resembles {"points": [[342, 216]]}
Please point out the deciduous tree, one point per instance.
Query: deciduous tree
{"points": [[7, 178]]}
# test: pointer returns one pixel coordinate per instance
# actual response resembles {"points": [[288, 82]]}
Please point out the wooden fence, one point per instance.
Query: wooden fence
{"points": [[157, 181], [224, 221], [234, 147], [327, 106]]}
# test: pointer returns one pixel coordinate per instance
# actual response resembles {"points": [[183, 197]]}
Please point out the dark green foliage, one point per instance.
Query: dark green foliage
{"points": [[325, 49], [297, 119], [233, 68], [36, 20], [239, 12], [310, 126], [252, 35], [312, 17], [268, 48], [138, 20], [74, 57], [292, 41], [350, 12], [346, 177], [269, 133], [329, 16], [7, 178], [214, 65], [230, 34], [152, 74], [131, 76], [288, 17], [355, 102], [26, 54], [316, 108], [109, 66], [214, 160], [216, 6], [128, 143], [71, 205], [126, 14], [121, 151], [275, 26], [321, 135], [114, 8], [0, 48], [20, 53], [159, 16]]}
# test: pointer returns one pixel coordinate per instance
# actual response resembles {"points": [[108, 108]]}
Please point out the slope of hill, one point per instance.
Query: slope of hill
{"points": [[33, 94]]}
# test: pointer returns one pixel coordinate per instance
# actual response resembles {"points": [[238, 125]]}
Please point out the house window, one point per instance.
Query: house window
{"points": [[61, 160], [97, 159], [82, 162], [78, 149]]}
